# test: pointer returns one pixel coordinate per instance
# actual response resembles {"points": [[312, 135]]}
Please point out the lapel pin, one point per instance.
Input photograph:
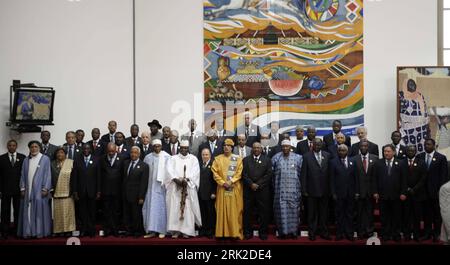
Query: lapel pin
{"points": [[77, 150], [117, 158], [434, 159], [124, 150], [209, 166], [138, 166], [259, 161], [396, 162], [371, 161], [90, 162], [17, 159], [351, 163], [400, 151], [415, 164]]}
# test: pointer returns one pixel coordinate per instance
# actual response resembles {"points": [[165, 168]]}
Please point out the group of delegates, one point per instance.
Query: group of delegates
{"points": [[223, 183]]}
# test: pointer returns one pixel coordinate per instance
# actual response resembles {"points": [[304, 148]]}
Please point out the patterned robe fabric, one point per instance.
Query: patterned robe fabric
{"points": [[286, 183]]}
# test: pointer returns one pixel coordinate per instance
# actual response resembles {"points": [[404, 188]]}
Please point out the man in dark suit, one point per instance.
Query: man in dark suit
{"points": [[165, 135], [145, 146], [400, 150], [316, 187], [213, 144], [110, 137], [71, 148], [79, 137], [306, 145], [364, 162], [122, 149], [436, 176], [274, 136], [207, 195], [242, 150], [85, 182], [134, 189], [333, 149], [389, 190], [362, 135], [268, 150], [134, 139], [251, 131], [173, 147], [111, 177], [330, 139], [415, 172], [222, 133], [47, 149], [257, 176], [343, 189], [96, 145], [10, 173]]}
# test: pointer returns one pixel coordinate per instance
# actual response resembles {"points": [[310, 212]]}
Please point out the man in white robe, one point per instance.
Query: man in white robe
{"points": [[183, 170]]}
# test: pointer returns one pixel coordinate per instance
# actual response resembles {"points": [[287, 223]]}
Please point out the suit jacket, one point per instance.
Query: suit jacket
{"points": [[144, 154], [314, 177], [135, 183], [111, 177], [218, 149], [389, 187], [226, 135], [272, 151], [197, 140], [343, 181], [415, 179], [302, 147], [365, 184], [329, 141], [332, 150], [99, 150], [248, 150], [436, 174], [125, 152], [254, 134], [129, 141], [10, 175], [373, 149], [50, 152], [168, 149], [105, 139], [207, 184], [273, 142], [257, 172], [76, 151], [85, 180], [401, 153]]}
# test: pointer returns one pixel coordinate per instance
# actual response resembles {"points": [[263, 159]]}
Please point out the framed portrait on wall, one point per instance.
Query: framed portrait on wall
{"points": [[423, 106]]}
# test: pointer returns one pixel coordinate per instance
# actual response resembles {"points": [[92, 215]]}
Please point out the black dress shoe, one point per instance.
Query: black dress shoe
{"points": [[425, 237], [435, 239], [407, 237], [339, 237], [386, 238], [350, 238], [312, 237], [263, 236], [396, 238], [248, 236]]}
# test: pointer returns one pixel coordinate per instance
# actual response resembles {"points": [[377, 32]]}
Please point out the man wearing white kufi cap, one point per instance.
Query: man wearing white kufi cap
{"points": [[154, 209], [286, 201], [182, 181]]}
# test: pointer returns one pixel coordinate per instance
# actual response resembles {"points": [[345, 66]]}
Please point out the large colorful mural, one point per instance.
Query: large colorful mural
{"points": [[301, 58]]}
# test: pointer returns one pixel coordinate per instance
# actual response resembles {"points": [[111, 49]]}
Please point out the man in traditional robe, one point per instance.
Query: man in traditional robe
{"points": [[154, 209], [35, 185], [182, 181], [286, 183], [227, 170]]}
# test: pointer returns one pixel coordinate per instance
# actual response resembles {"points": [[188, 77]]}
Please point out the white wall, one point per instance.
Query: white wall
{"points": [[84, 50]]}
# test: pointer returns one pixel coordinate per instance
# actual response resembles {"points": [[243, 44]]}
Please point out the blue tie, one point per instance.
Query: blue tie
{"points": [[86, 161]]}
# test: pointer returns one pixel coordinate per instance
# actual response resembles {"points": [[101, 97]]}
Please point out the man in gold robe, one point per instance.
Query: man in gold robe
{"points": [[227, 169]]}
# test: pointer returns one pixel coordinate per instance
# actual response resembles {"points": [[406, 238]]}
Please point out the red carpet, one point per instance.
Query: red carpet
{"points": [[196, 241]]}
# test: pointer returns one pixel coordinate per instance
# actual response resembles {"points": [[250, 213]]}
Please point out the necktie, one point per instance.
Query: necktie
{"points": [[45, 149], [71, 152], [389, 167], [111, 160], [13, 160], [145, 149], [120, 149], [131, 167], [344, 162], [191, 138], [246, 132], [174, 152], [95, 144], [86, 161], [212, 147], [410, 163], [428, 160], [365, 164], [319, 159], [310, 146], [256, 159]]}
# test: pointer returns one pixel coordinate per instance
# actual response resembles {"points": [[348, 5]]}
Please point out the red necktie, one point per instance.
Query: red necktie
{"points": [[365, 163], [310, 146], [95, 145]]}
